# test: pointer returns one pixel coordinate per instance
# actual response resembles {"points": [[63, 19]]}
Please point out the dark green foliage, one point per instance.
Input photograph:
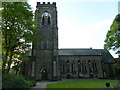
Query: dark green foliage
{"points": [[19, 82], [6, 80], [116, 69], [34, 83], [12, 81], [91, 76], [103, 77]]}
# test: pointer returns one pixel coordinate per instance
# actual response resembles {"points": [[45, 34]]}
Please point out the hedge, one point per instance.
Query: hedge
{"points": [[13, 81]]}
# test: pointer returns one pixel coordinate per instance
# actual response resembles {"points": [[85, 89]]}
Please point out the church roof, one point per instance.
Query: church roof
{"points": [[78, 52], [106, 56]]}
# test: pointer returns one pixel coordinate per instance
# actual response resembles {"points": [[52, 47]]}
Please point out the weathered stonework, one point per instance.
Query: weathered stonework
{"points": [[82, 59], [47, 48], [50, 63]]}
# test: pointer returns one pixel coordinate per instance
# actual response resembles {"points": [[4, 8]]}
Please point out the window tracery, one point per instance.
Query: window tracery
{"points": [[46, 18]]}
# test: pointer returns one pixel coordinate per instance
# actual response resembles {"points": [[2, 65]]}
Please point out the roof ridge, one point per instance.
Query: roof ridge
{"points": [[78, 49]]}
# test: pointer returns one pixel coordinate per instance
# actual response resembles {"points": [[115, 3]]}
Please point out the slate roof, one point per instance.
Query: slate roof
{"points": [[106, 56]]}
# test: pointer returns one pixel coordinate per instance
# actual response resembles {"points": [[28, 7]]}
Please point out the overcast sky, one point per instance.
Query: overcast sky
{"points": [[83, 23]]}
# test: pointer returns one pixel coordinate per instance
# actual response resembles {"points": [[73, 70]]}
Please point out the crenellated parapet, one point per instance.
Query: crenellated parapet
{"points": [[46, 4]]}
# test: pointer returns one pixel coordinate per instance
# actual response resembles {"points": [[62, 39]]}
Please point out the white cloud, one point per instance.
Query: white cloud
{"points": [[71, 36], [99, 25]]}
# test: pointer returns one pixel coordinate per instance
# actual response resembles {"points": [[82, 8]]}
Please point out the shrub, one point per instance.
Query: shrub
{"points": [[91, 75], [7, 80], [33, 83], [103, 77], [12, 81], [19, 82]]}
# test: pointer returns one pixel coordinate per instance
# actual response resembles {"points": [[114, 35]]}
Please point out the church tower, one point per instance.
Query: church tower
{"points": [[46, 63]]}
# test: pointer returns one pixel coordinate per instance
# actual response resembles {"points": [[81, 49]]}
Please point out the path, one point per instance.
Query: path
{"points": [[43, 84]]}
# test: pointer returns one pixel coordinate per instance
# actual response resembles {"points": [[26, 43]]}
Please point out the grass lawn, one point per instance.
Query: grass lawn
{"points": [[83, 84]]}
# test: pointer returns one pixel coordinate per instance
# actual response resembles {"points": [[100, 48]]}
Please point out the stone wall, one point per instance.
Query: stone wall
{"points": [[46, 49], [89, 66]]}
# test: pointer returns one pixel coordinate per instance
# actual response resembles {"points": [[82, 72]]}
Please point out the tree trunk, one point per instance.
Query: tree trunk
{"points": [[6, 50], [5, 60], [9, 63]]}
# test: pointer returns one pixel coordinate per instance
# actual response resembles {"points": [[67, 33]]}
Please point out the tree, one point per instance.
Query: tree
{"points": [[113, 35], [113, 42], [18, 28], [116, 69]]}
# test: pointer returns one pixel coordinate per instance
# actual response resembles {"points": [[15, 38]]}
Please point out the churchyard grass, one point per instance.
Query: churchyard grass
{"points": [[83, 84]]}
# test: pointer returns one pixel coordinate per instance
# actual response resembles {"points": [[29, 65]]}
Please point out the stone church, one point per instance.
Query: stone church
{"points": [[47, 62]]}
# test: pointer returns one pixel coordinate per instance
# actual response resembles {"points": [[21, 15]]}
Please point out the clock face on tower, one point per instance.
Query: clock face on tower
{"points": [[46, 19], [45, 14]]}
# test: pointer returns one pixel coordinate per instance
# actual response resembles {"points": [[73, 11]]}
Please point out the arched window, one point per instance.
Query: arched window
{"points": [[79, 66], [46, 18], [49, 20], [67, 61], [62, 67], [68, 66], [43, 20], [73, 66], [95, 67], [89, 65], [45, 44], [85, 67]]}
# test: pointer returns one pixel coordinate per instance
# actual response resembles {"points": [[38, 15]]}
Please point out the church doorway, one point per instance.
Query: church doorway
{"points": [[44, 74]]}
